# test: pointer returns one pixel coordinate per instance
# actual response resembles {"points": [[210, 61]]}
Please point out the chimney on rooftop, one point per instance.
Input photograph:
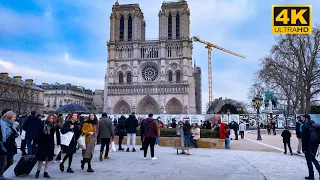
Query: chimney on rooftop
{"points": [[17, 79], [29, 82], [4, 75]]}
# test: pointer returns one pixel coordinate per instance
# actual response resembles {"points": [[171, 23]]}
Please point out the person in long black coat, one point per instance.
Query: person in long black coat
{"points": [[70, 125], [286, 135], [46, 144]]}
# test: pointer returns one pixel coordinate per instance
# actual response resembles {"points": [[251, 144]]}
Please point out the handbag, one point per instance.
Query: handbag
{"points": [[113, 146], [82, 142], [66, 138], [57, 150], [23, 135]]}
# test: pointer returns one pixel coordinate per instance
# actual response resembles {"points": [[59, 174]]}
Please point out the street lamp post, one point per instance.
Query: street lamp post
{"points": [[256, 103], [228, 112]]}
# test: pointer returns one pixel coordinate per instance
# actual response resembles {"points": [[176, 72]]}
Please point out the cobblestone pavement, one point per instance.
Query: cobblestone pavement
{"points": [[203, 164]]}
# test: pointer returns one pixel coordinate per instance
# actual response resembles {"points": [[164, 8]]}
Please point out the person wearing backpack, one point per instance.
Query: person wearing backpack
{"points": [[122, 130], [299, 124], [309, 148]]}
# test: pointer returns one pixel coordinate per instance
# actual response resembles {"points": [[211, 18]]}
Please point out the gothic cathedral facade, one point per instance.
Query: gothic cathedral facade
{"points": [[151, 76]]}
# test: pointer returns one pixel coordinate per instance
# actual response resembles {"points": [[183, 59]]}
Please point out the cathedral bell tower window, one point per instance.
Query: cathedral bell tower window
{"points": [[121, 28], [120, 78], [170, 27], [178, 26], [178, 74], [130, 28], [129, 78]]}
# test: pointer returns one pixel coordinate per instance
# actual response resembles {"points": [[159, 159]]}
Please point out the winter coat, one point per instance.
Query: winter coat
{"points": [[174, 125], [132, 124], [242, 127], [196, 133], [286, 136], [151, 128], [46, 143], [142, 127], [186, 129], [89, 126], [235, 126], [221, 131], [158, 127], [226, 132], [72, 148], [305, 136], [106, 128], [10, 144], [21, 122], [298, 125], [32, 126], [122, 126]]}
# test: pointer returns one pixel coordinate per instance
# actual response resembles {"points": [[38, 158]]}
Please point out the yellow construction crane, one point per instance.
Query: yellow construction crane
{"points": [[209, 46]]}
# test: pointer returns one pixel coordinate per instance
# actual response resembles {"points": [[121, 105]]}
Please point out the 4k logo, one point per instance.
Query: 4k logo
{"points": [[291, 19]]}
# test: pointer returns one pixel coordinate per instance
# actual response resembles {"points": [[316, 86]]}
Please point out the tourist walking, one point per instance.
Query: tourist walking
{"points": [[235, 127], [299, 124], [226, 132], [46, 144], [23, 144], [71, 125], [122, 130], [150, 134], [106, 132], [59, 123], [309, 149], [142, 129], [32, 127], [187, 133], [286, 135], [8, 135], [242, 129], [131, 127], [90, 129], [195, 135]]}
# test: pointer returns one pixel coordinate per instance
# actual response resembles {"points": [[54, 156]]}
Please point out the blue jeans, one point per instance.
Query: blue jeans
{"points": [[310, 155], [195, 143], [187, 140], [157, 140], [227, 142], [31, 147]]}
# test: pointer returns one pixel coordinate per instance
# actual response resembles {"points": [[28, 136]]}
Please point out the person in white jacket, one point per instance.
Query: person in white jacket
{"points": [[242, 128], [195, 135]]}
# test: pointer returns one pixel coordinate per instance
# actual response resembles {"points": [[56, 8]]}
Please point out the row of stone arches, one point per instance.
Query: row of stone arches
{"points": [[149, 105]]}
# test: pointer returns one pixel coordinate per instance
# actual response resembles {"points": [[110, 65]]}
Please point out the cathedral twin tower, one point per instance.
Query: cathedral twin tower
{"points": [[151, 76]]}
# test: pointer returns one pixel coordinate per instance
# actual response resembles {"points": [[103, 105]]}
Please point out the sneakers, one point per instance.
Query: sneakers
{"points": [[46, 175], [128, 150], [157, 145], [133, 150], [298, 152], [141, 149], [37, 174], [107, 157], [61, 167], [144, 158], [154, 158], [121, 149], [69, 170]]}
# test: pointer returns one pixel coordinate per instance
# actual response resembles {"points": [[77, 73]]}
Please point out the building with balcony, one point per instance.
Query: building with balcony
{"points": [[57, 95], [20, 96], [150, 76], [98, 96]]}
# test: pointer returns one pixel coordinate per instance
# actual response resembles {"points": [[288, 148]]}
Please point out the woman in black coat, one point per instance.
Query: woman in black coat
{"points": [[45, 141], [8, 147], [70, 125]]}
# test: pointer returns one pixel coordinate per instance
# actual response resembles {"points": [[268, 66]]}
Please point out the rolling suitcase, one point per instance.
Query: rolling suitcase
{"points": [[25, 165]]}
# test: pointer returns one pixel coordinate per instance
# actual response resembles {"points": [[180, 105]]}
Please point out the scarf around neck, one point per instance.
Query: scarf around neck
{"points": [[47, 126]]}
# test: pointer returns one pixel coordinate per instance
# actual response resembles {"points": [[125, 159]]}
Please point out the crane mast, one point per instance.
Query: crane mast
{"points": [[209, 46]]}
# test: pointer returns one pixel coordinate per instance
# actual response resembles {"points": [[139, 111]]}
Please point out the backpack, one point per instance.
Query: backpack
{"points": [[301, 124], [314, 134], [122, 123]]}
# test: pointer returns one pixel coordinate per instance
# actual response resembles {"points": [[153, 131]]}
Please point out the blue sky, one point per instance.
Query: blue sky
{"points": [[65, 40]]}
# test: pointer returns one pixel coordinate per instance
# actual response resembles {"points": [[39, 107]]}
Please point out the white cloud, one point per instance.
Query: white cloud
{"points": [[48, 76], [13, 23]]}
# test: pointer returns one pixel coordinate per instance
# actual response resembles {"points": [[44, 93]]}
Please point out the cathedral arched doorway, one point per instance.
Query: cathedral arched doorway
{"points": [[148, 105], [122, 107], [174, 106]]}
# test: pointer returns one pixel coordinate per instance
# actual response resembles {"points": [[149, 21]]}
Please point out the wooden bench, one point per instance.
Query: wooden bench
{"points": [[182, 148]]}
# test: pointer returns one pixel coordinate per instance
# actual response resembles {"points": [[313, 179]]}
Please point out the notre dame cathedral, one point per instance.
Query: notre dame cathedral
{"points": [[151, 76]]}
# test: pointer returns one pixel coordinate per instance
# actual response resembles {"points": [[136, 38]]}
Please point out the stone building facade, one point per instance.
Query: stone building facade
{"points": [[18, 95], [98, 98], [57, 95], [198, 89], [150, 76]]}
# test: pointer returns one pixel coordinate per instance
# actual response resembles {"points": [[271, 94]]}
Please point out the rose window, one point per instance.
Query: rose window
{"points": [[149, 73]]}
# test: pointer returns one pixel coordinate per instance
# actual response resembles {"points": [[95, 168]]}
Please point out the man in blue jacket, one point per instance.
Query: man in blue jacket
{"points": [[299, 123], [32, 127], [309, 149]]}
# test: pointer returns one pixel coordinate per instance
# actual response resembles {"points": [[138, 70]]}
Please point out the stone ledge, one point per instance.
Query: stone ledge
{"points": [[213, 143]]}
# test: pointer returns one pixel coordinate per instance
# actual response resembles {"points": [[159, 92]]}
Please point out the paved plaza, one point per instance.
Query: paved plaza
{"points": [[202, 164]]}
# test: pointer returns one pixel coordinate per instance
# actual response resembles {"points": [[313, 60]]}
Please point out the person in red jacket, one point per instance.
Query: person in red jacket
{"points": [[150, 135], [221, 131]]}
